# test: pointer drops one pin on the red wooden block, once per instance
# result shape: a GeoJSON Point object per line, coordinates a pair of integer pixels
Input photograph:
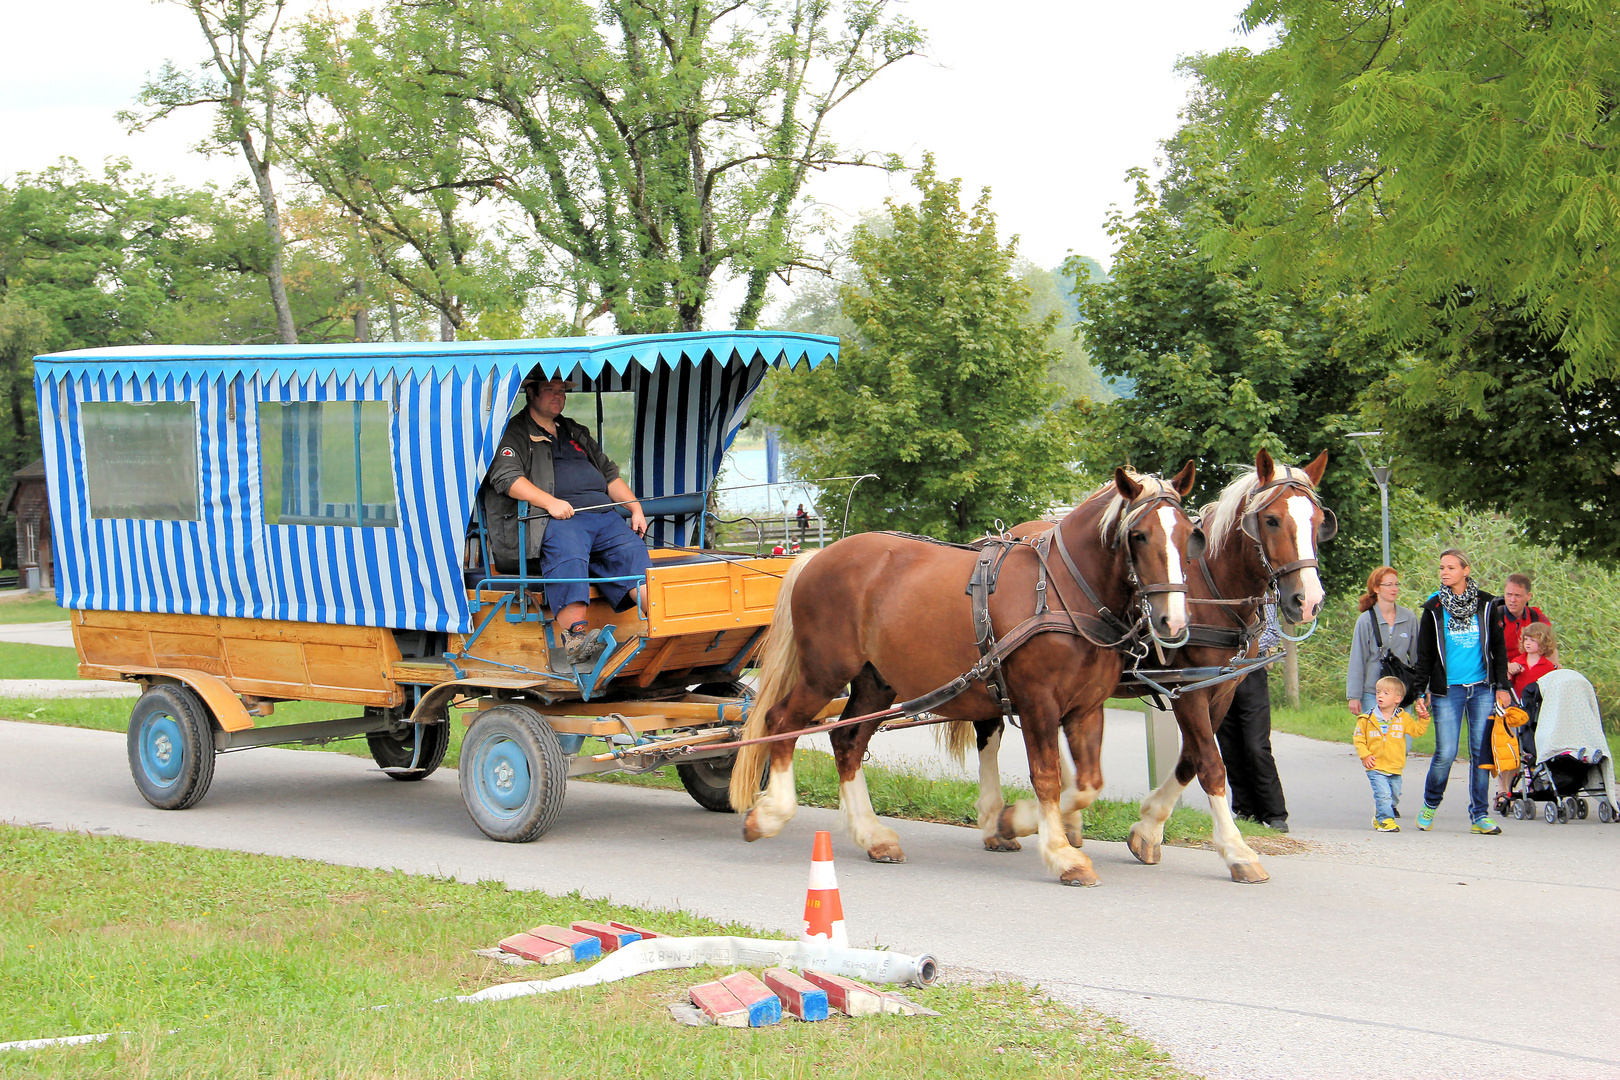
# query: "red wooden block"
{"type": "Point", "coordinates": [800, 997]}
{"type": "Point", "coordinates": [719, 1004]}
{"type": "Point", "coordinates": [846, 995]}
{"type": "Point", "coordinates": [612, 938]}
{"type": "Point", "coordinates": [763, 1006]}
{"type": "Point", "coordinates": [584, 946]}
{"type": "Point", "coordinates": [537, 948]}
{"type": "Point", "coordinates": [646, 935]}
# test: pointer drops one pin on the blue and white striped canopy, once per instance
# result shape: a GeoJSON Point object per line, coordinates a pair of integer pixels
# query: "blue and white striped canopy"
{"type": "Point", "coordinates": [449, 403]}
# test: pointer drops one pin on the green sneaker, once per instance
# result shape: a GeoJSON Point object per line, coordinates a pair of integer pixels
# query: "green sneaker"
{"type": "Point", "coordinates": [1425, 818]}
{"type": "Point", "coordinates": [1486, 827]}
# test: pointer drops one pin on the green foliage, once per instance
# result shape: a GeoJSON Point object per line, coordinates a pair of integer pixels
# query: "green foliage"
{"type": "Point", "coordinates": [1438, 151]}
{"type": "Point", "coordinates": [1050, 294]}
{"type": "Point", "coordinates": [943, 392]}
{"type": "Point", "coordinates": [1544, 451]}
{"type": "Point", "coordinates": [1221, 367]}
{"type": "Point", "coordinates": [644, 147]}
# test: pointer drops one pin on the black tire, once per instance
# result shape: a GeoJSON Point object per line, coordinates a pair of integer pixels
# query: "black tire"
{"type": "Point", "coordinates": [709, 782]}
{"type": "Point", "coordinates": [391, 752]}
{"type": "Point", "coordinates": [720, 689]}
{"type": "Point", "coordinates": [513, 774]}
{"type": "Point", "coordinates": [171, 747]}
{"type": "Point", "coordinates": [1581, 809]}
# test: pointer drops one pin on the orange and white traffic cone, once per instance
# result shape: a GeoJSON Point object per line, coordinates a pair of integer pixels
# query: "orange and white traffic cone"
{"type": "Point", "coordinates": [823, 910]}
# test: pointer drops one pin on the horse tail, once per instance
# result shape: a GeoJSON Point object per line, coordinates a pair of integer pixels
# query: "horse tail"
{"type": "Point", "coordinates": [956, 737]}
{"type": "Point", "coordinates": [778, 672]}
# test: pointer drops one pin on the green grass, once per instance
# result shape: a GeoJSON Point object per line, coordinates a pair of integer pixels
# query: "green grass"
{"type": "Point", "coordinates": [31, 610]}
{"type": "Point", "coordinates": [234, 965]}
{"type": "Point", "coordinates": [37, 662]}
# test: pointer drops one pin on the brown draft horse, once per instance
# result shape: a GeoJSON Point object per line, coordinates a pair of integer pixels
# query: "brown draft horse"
{"type": "Point", "coordinates": [889, 616]}
{"type": "Point", "coordinates": [1275, 551]}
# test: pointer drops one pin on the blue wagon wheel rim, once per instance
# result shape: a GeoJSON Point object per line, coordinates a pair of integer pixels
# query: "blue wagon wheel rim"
{"type": "Point", "coordinates": [163, 750]}
{"type": "Point", "coordinates": [502, 773]}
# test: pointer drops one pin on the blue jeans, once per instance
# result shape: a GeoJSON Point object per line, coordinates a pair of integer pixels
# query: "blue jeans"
{"type": "Point", "coordinates": [1474, 701]}
{"type": "Point", "coordinates": [594, 545]}
{"type": "Point", "coordinates": [1386, 789]}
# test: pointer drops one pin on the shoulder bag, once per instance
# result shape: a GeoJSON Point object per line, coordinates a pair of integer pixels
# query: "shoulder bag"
{"type": "Point", "coordinates": [1389, 663]}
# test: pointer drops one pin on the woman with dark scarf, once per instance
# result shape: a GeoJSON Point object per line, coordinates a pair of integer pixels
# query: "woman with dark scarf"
{"type": "Point", "coordinates": [1462, 665]}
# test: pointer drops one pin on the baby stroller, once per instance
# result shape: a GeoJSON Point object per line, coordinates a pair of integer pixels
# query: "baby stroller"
{"type": "Point", "coordinates": [1566, 757]}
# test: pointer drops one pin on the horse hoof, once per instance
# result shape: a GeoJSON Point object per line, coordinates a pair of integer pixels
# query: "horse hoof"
{"type": "Point", "coordinates": [1146, 852]}
{"type": "Point", "coordinates": [1080, 875]}
{"type": "Point", "coordinates": [886, 853]}
{"type": "Point", "coordinates": [1002, 843]}
{"type": "Point", "coordinates": [1249, 873]}
{"type": "Point", "coordinates": [750, 831]}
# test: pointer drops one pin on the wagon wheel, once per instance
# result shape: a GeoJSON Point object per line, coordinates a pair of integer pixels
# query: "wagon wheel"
{"type": "Point", "coordinates": [393, 751]}
{"type": "Point", "coordinates": [709, 782]}
{"type": "Point", "coordinates": [513, 774]}
{"type": "Point", "coordinates": [171, 747]}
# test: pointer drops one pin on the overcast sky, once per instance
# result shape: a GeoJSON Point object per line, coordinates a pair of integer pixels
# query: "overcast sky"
{"type": "Point", "coordinates": [1048, 102]}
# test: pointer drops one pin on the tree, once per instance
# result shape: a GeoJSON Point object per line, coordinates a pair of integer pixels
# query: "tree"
{"type": "Point", "coordinates": [240, 79]}
{"type": "Point", "coordinates": [943, 390]}
{"type": "Point", "coordinates": [1222, 367]}
{"type": "Point", "coordinates": [1548, 455]}
{"type": "Point", "coordinates": [1461, 159]}
{"type": "Point", "coordinates": [649, 147]}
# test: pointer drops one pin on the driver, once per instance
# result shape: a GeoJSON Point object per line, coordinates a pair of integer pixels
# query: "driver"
{"type": "Point", "coordinates": [553, 464]}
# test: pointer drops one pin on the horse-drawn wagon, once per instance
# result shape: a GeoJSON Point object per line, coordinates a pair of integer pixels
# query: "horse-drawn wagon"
{"type": "Point", "coordinates": [242, 526]}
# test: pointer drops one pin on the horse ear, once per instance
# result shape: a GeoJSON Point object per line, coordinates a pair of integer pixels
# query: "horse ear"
{"type": "Point", "coordinates": [1264, 468]}
{"type": "Point", "coordinates": [1316, 468]}
{"type": "Point", "coordinates": [1127, 487]}
{"type": "Point", "coordinates": [1183, 480]}
{"type": "Point", "coordinates": [1196, 544]}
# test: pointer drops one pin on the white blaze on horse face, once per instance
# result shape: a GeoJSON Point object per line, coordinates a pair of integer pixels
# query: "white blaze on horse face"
{"type": "Point", "coordinates": [1301, 509]}
{"type": "Point", "coordinates": [1178, 576]}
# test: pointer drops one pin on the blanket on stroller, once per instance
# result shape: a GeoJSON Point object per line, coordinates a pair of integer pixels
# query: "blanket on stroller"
{"type": "Point", "coordinates": [1571, 724]}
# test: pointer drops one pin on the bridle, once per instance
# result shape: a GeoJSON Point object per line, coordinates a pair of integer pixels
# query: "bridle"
{"type": "Point", "coordinates": [1250, 524]}
{"type": "Point", "coordinates": [1134, 511]}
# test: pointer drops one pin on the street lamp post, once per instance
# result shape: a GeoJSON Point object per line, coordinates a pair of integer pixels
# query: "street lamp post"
{"type": "Point", "coordinates": [1380, 475]}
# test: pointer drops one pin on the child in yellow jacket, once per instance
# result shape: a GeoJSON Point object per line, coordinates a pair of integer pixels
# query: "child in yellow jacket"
{"type": "Point", "coordinates": [1381, 745]}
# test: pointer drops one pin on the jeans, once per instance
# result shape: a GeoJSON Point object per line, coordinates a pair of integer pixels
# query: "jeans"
{"type": "Point", "coordinates": [1475, 701]}
{"type": "Point", "coordinates": [593, 544]}
{"type": "Point", "coordinates": [1386, 788]}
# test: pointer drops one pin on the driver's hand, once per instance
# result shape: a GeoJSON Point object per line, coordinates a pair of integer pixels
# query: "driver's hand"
{"type": "Point", "coordinates": [560, 509]}
{"type": "Point", "coordinates": [638, 521]}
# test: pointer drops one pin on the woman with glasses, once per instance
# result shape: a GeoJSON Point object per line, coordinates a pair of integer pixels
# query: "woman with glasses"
{"type": "Point", "coordinates": [1395, 626]}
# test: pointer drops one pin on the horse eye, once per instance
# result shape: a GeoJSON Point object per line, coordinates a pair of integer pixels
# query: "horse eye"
{"type": "Point", "coordinates": [1273, 521]}
{"type": "Point", "coordinates": [1137, 538]}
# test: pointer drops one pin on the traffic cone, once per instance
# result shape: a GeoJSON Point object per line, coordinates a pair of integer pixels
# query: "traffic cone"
{"type": "Point", "coordinates": [823, 910]}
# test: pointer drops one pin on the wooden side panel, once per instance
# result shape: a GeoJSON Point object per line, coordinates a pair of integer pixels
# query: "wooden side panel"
{"type": "Point", "coordinates": [707, 597]}
{"type": "Point", "coordinates": [262, 657]}
{"type": "Point", "coordinates": [689, 651]}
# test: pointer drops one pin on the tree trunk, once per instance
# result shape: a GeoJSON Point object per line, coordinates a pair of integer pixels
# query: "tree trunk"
{"type": "Point", "coordinates": [286, 330]}
{"type": "Point", "coordinates": [362, 313]}
{"type": "Point", "coordinates": [1291, 671]}
{"type": "Point", "coordinates": [447, 328]}
{"type": "Point", "coordinates": [395, 331]}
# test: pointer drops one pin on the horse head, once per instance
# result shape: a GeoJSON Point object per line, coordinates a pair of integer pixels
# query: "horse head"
{"type": "Point", "coordinates": [1157, 541]}
{"type": "Point", "coordinates": [1284, 517]}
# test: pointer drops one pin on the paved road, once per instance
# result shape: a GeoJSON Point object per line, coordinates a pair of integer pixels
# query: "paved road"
{"type": "Point", "coordinates": [58, 634]}
{"type": "Point", "coordinates": [1371, 956]}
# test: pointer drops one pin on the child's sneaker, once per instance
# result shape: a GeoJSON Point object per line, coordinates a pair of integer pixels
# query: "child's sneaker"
{"type": "Point", "coordinates": [1387, 825]}
{"type": "Point", "coordinates": [1425, 818]}
{"type": "Point", "coordinates": [1486, 827]}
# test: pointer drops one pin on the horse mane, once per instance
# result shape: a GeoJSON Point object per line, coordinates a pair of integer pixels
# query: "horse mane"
{"type": "Point", "coordinates": [1221, 518]}
{"type": "Point", "coordinates": [1111, 527]}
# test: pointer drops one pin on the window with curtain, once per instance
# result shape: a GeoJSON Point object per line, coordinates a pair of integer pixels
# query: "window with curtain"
{"type": "Point", "coordinates": [327, 463]}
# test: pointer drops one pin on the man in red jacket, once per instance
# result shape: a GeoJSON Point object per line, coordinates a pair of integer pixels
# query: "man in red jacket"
{"type": "Point", "coordinates": [1519, 614]}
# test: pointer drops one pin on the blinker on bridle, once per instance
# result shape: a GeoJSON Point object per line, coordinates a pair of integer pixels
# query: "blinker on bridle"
{"type": "Point", "coordinates": [1128, 517]}
{"type": "Point", "coordinates": [1250, 524]}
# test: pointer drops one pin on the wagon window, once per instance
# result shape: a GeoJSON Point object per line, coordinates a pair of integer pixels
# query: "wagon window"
{"type": "Point", "coordinates": [327, 463]}
{"type": "Point", "coordinates": [616, 431]}
{"type": "Point", "coordinates": [141, 459]}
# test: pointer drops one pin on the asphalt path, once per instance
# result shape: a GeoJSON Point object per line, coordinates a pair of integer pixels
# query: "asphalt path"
{"type": "Point", "coordinates": [1409, 955]}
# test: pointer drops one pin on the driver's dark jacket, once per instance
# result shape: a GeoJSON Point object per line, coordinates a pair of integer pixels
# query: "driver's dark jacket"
{"type": "Point", "coordinates": [525, 450]}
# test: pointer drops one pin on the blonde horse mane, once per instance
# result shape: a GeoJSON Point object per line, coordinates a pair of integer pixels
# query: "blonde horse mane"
{"type": "Point", "coordinates": [1113, 524]}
